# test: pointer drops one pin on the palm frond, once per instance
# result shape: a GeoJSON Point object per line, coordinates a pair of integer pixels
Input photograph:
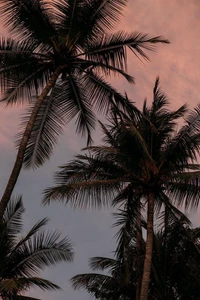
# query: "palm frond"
{"type": "Point", "coordinates": [127, 219]}
{"type": "Point", "coordinates": [22, 258]}
{"type": "Point", "coordinates": [22, 69]}
{"type": "Point", "coordinates": [21, 89]}
{"type": "Point", "coordinates": [86, 64]}
{"type": "Point", "coordinates": [102, 263]}
{"type": "Point", "coordinates": [175, 214]}
{"type": "Point", "coordinates": [185, 193]}
{"type": "Point", "coordinates": [102, 95]}
{"type": "Point", "coordinates": [186, 142]}
{"type": "Point", "coordinates": [20, 17]}
{"type": "Point", "coordinates": [94, 193]}
{"type": "Point", "coordinates": [91, 281]}
{"type": "Point", "coordinates": [46, 130]}
{"type": "Point", "coordinates": [40, 251]}
{"type": "Point", "coordinates": [81, 107]}
{"type": "Point", "coordinates": [67, 16]}
{"type": "Point", "coordinates": [112, 49]}
{"type": "Point", "coordinates": [14, 285]}
{"type": "Point", "coordinates": [12, 218]}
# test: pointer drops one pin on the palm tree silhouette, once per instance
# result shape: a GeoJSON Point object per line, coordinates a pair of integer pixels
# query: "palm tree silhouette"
{"type": "Point", "coordinates": [22, 258]}
{"type": "Point", "coordinates": [144, 157]}
{"type": "Point", "coordinates": [61, 50]}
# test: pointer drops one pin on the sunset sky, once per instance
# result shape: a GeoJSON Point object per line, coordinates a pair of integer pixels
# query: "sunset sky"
{"type": "Point", "coordinates": [178, 67]}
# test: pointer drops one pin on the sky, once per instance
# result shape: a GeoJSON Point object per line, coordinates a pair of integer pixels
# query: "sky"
{"type": "Point", "coordinates": [178, 67]}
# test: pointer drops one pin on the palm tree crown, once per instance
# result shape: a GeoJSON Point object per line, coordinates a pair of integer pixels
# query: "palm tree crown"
{"type": "Point", "coordinates": [144, 157]}
{"type": "Point", "coordinates": [22, 258]}
{"type": "Point", "coordinates": [144, 151]}
{"type": "Point", "coordinates": [69, 38]}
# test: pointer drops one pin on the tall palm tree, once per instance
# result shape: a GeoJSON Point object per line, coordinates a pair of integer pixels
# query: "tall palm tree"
{"type": "Point", "coordinates": [61, 50]}
{"type": "Point", "coordinates": [22, 258]}
{"type": "Point", "coordinates": [144, 155]}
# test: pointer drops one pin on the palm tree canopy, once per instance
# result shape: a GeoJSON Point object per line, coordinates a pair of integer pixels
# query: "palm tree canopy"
{"type": "Point", "coordinates": [175, 272]}
{"type": "Point", "coordinates": [74, 39]}
{"type": "Point", "coordinates": [23, 258]}
{"type": "Point", "coordinates": [142, 152]}
{"type": "Point", "coordinates": [175, 261]}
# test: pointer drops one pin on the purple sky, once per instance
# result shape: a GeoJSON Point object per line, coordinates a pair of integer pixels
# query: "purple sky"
{"type": "Point", "coordinates": [179, 69]}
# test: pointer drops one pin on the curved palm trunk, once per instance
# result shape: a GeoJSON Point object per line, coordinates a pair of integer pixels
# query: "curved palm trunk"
{"type": "Point", "coordinates": [22, 148]}
{"type": "Point", "coordinates": [149, 249]}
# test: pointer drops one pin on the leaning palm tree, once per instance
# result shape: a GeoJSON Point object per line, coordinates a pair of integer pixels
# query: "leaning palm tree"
{"type": "Point", "coordinates": [144, 155]}
{"type": "Point", "coordinates": [22, 258]}
{"type": "Point", "coordinates": [60, 50]}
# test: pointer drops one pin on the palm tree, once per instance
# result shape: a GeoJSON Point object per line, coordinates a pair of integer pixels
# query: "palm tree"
{"type": "Point", "coordinates": [176, 261]}
{"type": "Point", "coordinates": [59, 50]}
{"type": "Point", "coordinates": [22, 258]}
{"type": "Point", "coordinates": [175, 265]}
{"type": "Point", "coordinates": [143, 155]}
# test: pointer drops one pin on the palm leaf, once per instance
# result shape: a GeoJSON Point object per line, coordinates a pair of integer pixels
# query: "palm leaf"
{"type": "Point", "coordinates": [22, 69]}
{"type": "Point", "coordinates": [42, 250]}
{"type": "Point", "coordinates": [47, 128]}
{"type": "Point", "coordinates": [102, 95]}
{"type": "Point", "coordinates": [112, 49]}
{"type": "Point", "coordinates": [95, 193]}
{"type": "Point", "coordinates": [81, 107]}
{"type": "Point", "coordinates": [20, 17]}
{"type": "Point", "coordinates": [186, 142]}
{"type": "Point", "coordinates": [13, 216]}
{"type": "Point", "coordinates": [14, 285]}
{"type": "Point", "coordinates": [86, 64]}
{"type": "Point", "coordinates": [90, 281]}
{"type": "Point", "coordinates": [21, 89]}
{"type": "Point", "coordinates": [102, 263]}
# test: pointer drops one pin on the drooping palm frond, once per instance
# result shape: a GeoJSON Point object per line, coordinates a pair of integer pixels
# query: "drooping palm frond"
{"type": "Point", "coordinates": [128, 219]}
{"type": "Point", "coordinates": [17, 284]}
{"type": "Point", "coordinates": [47, 128]}
{"type": "Point", "coordinates": [91, 194]}
{"type": "Point", "coordinates": [102, 263]}
{"type": "Point", "coordinates": [101, 93]}
{"type": "Point", "coordinates": [22, 70]}
{"type": "Point", "coordinates": [13, 216]}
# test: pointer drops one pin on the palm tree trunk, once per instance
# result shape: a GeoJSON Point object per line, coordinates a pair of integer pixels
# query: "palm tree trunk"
{"type": "Point", "coordinates": [138, 249]}
{"type": "Point", "coordinates": [22, 148]}
{"type": "Point", "coordinates": [149, 249]}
